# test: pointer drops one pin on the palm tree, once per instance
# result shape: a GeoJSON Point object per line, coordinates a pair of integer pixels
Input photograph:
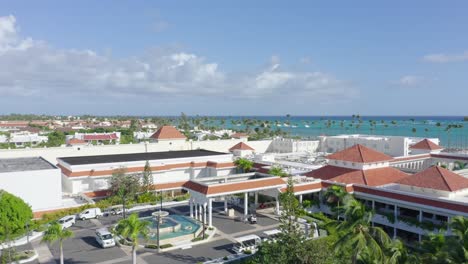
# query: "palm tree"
{"type": "Point", "coordinates": [244, 164]}
{"type": "Point", "coordinates": [54, 233]}
{"type": "Point", "coordinates": [459, 227]}
{"type": "Point", "coordinates": [365, 241]}
{"type": "Point", "coordinates": [335, 194]}
{"type": "Point", "coordinates": [131, 229]}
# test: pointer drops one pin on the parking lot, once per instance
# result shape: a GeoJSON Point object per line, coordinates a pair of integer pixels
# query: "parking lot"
{"type": "Point", "coordinates": [83, 248]}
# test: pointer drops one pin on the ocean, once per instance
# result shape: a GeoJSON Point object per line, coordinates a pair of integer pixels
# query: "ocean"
{"type": "Point", "coordinates": [451, 130]}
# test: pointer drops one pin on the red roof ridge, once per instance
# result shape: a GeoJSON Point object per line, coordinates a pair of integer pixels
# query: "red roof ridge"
{"type": "Point", "coordinates": [241, 146]}
{"type": "Point", "coordinates": [426, 144]}
{"type": "Point", "coordinates": [359, 153]}
{"type": "Point", "coordinates": [436, 178]}
{"type": "Point", "coordinates": [168, 132]}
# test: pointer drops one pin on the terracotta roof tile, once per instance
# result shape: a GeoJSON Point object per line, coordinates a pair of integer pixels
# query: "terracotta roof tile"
{"type": "Point", "coordinates": [168, 132]}
{"type": "Point", "coordinates": [426, 144]}
{"type": "Point", "coordinates": [242, 146]}
{"type": "Point", "coordinates": [370, 177]}
{"type": "Point", "coordinates": [359, 153]}
{"type": "Point", "coordinates": [436, 178]}
{"type": "Point", "coordinates": [76, 141]}
{"type": "Point", "coordinates": [234, 186]}
{"type": "Point", "coordinates": [239, 135]}
{"type": "Point", "coordinates": [100, 136]}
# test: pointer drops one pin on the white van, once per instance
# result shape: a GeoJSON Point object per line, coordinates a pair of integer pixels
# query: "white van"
{"type": "Point", "coordinates": [105, 238]}
{"type": "Point", "coordinates": [250, 242]}
{"type": "Point", "coordinates": [90, 213]}
{"type": "Point", "coordinates": [67, 221]}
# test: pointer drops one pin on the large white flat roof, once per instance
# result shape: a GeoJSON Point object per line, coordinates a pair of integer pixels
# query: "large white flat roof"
{"type": "Point", "coordinates": [24, 164]}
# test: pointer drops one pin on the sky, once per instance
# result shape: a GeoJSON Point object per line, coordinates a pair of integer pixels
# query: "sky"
{"type": "Point", "coordinates": [234, 57]}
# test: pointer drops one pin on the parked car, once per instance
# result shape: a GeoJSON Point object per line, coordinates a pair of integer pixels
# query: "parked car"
{"type": "Point", "coordinates": [67, 221]}
{"type": "Point", "coordinates": [105, 238]}
{"type": "Point", "coordinates": [249, 242]}
{"type": "Point", "coordinates": [90, 213]}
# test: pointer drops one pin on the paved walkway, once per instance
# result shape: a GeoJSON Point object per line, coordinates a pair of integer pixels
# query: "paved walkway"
{"type": "Point", "coordinates": [43, 252]}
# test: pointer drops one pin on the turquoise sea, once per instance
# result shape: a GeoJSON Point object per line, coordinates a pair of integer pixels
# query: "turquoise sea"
{"type": "Point", "coordinates": [451, 130]}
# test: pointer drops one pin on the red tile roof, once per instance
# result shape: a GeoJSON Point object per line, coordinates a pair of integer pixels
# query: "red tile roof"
{"type": "Point", "coordinates": [76, 141]}
{"type": "Point", "coordinates": [359, 153]}
{"type": "Point", "coordinates": [168, 132]}
{"type": "Point", "coordinates": [239, 135]}
{"type": "Point", "coordinates": [436, 178]}
{"type": "Point", "coordinates": [242, 146]}
{"type": "Point", "coordinates": [370, 177]}
{"type": "Point", "coordinates": [426, 144]}
{"type": "Point", "coordinates": [234, 186]}
{"type": "Point", "coordinates": [100, 137]}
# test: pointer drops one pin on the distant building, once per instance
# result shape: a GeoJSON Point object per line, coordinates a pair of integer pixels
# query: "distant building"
{"type": "Point", "coordinates": [239, 135]}
{"type": "Point", "coordinates": [288, 145]}
{"type": "Point", "coordinates": [167, 133]}
{"type": "Point", "coordinates": [141, 135]}
{"type": "Point", "coordinates": [23, 139]}
{"type": "Point", "coordinates": [96, 138]}
{"type": "Point", "coordinates": [391, 145]}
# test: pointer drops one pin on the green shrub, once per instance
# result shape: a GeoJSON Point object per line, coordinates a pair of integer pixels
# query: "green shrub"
{"type": "Point", "coordinates": [147, 197]}
{"type": "Point", "coordinates": [225, 258]}
{"type": "Point", "coordinates": [248, 252]}
{"type": "Point", "coordinates": [197, 239]}
{"type": "Point", "coordinates": [166, 246]}
{"type": "Point", "coordinates": [151, 246]}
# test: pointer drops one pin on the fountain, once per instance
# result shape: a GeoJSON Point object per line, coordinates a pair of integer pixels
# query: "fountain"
{"type": "Point", "coordinates": [172, 228]}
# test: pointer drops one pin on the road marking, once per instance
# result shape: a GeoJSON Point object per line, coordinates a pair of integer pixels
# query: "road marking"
{"type": "Point", "coordinates": [186, 247]}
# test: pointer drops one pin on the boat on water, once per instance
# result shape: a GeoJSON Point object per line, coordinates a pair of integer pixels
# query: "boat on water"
{"type": "Point", "coordinates": [293, 126]}
{"type": "Point", "coordinates": [306, 126]}
{"type": "Point", "coordinates": [286, 125]}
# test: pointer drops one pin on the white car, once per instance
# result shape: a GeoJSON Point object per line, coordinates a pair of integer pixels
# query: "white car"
{"type": "Point", "coordinates": [105, 238]}
{"type": "Point", "coordinates": [90, 213]}
{"type": "Point", "coordinates": [67, 221]}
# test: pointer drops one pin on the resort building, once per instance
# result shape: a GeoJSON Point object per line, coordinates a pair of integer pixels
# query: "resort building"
{"type": "Point", "coordinates": [288, 145]}
{"type": "Point", "coordinates": [391, 145]}
{"type": "Point", "coordinates": [241, 149]}
{"type": "Point", "coordinates": [171, 169]}
{"type": "Point", "coordinates": [23, 139]}
{"type": "Point", "coordinates": [96, 138]}
{"type": "Point", "coordinates": [36, 181]}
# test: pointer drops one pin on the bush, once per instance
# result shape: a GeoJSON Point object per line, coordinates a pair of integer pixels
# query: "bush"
{"type": "Point", "coordinates": [166, 246]}
{"type": "Point", "coordinates": [248, 252]}
{"type": "Point", "coordinates": [197, 239]}
{"type": "Point", "coordinates": [151, 246]}
{"type": "Point", "coordinates": [182, 197]}
{"type": "Point", "coordinates": [225, 258]}
{"type": "Point", "coordinates": [147, 197]}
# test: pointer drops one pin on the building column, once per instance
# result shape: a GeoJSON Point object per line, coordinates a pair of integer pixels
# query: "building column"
{"type": "Point", "coordinates": [196, 211]}
{"type": "Point", "coordinates": [256, 201]}
{"type": "Point", "coordinates": [300, 199]}
{"type": "Point", "coordinates": [246, 204]}
{"type": "Point", "coordinates": [225, 205]}
{"type": "Point", "coordinates": [395, 214]}
{"type": "Point", "coordinates": [420, 217]}
{"type": "Point", "coordinates": [210, 212]}
{"type": "Point", "coordinates": [277, 205]}
{"type": "Point", "coordinates": [191, 207]}
{"type": "Point", "coordinates": [449, 229]}
{"type": "Point", "coordinates": [204, 213]}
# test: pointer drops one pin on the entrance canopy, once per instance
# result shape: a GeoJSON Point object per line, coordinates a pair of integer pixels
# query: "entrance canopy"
{"type": "Point", "coordinates": [233, 184]}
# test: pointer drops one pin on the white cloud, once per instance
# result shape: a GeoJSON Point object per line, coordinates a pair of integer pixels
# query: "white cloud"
{"type": "Point", "coordinates": [444, 58]}
{"type": "Point", "coordinates": [410, 80]}
{"type": "Point", "coordinates": [35, 68]}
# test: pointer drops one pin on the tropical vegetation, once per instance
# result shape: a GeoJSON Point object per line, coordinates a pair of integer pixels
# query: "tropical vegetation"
{"type": "Point", "coordinates": [55, 233]}
{"type": "Point", "coordinates": [132, 229]}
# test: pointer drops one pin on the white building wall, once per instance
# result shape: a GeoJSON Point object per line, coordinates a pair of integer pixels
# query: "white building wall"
{"type": "Point", "coordinates": [41, 188]}
{"type": "Point", "coordinates": [51, 154]}
{"type": "Point", "coordinates": [391, 145]}
{"type": "Point", "coordinates": [287, 145]}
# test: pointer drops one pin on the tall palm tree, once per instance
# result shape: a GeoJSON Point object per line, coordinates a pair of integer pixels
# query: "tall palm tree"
{"type": "Point", "coordinates": [132, 228]}
{"type": "Point", "coordinates": [459, 227]}
{"type": "Point", "coordinates": [335, 194]}
{"type": "Point", "coordinates": [358, 235]}
{"type": "Point", "coordinates": [54, 233]}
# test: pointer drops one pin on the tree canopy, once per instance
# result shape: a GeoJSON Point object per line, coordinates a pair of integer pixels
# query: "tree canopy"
{"type": "Point", "coordinates": [14, 216]}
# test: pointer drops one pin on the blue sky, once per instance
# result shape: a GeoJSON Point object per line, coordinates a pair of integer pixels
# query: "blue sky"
{"type": "Point", "coordinates": [239, 58]}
